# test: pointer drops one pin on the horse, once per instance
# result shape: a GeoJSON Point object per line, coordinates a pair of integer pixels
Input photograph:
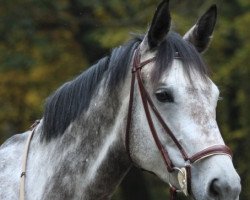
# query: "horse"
{"type": "Point", "coordinates": [150, 103]}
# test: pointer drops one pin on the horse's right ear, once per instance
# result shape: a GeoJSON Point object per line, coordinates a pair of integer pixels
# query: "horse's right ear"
{"type": "Point", "coordinates": [160, 25]}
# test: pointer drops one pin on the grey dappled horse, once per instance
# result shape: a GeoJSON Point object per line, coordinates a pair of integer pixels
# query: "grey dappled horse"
{"type": "Point", "coordinates": [78, 150]}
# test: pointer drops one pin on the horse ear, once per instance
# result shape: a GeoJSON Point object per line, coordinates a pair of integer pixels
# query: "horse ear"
{"type": "Point", "coordinates": [201, 33]}
{"type": "Point", "coordinates": [160, 25]}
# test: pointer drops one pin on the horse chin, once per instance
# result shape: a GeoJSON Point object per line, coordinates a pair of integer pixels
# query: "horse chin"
{"type": "Point", "coordinates": [205, 197]}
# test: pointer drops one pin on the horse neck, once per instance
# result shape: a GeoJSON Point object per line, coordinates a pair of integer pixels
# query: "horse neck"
{"type": "Point", "coordinates": [91, 152]}
{"type": "Point", "coordinates": [104, 139]}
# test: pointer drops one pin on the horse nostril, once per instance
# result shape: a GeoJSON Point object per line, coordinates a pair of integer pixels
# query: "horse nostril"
{"type": "Point", "coordinates": [223, 189]}
{"type": "Point", "coordinates": [214, 189]}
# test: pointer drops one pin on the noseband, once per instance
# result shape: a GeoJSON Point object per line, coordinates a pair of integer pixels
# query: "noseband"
{"type": "Point", "coordinates": [184, 172]}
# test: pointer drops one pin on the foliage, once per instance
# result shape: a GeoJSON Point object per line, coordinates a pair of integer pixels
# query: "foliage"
{"type": "Point", "coordinates": [45, 43]}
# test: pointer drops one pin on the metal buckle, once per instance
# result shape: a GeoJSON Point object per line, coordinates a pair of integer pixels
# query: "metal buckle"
{"type": "Point", "coordinates": [182, 179]}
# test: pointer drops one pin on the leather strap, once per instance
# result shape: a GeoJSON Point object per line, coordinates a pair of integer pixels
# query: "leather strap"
{"type": "Point", "coordinates": [136, 66]}
{"type": "Point", "coordinates": [129, 118]}
{"type": "Point", "coordinates": [210, 151]}
{"type": "Point", "coordinates": [159, 117]}
{"type": "Point", "coordinates": [173, 193]}
{"type": "Point", "coordinates": [24, 162]}
{"type": "Point", "coordinates": [189, 178]}
{"type": "Point", "coordinates": [163, 151]}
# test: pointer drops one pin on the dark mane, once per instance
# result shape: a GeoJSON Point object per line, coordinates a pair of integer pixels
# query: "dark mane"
{"type": "Point", "coordinates": [73, 98]}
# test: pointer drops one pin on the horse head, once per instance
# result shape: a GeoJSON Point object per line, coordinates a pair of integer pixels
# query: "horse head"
{"type": "Point", "coordinates": [173, 130]}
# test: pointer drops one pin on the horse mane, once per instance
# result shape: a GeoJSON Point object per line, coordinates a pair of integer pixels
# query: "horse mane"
{"type": "Point", "coordinates": [68, 102]}
{"type": "Point", "coordinates": [73, 98]}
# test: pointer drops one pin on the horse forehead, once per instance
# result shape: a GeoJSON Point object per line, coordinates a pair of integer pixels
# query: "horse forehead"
{"type": "Point", "coordinates": [194, 85]}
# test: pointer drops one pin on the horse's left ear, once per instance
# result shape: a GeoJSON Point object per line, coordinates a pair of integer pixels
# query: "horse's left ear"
{"type": "Point", "coordinates": [201, 33]}
{"type": "Point", "coordinates": [160, 25]}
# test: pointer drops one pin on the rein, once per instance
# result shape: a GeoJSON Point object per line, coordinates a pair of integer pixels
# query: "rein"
{"type": "Point", "coordinates": [184, 172]}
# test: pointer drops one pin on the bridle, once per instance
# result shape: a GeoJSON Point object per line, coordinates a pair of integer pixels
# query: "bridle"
{"type": "Point", "coordinates": [184, 172]}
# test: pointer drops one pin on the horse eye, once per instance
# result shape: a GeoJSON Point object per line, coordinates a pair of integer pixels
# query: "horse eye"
{"type": "Point", "coordinates": [164, 96]}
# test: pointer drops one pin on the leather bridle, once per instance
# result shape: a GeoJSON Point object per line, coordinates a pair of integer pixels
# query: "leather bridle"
{"type": "Point", "coordinates": [184, 172]}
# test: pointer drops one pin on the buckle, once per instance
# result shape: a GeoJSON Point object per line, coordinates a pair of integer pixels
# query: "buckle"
{"type": "Point", "coordinates": [182, 179]}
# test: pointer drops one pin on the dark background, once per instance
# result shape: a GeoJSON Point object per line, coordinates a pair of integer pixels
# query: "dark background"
{"type": "Point", "coordinates": [44, 43]}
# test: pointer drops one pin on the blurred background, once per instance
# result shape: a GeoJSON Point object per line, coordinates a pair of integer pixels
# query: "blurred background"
{"type": "Point", "coordinates": [44, 43]}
